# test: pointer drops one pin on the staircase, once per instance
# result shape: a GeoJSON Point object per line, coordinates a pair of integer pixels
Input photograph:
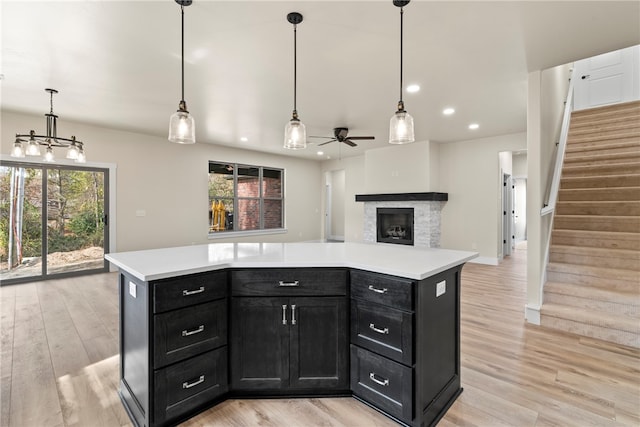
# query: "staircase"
{"type": "Point", "coordinates": [593, 276]}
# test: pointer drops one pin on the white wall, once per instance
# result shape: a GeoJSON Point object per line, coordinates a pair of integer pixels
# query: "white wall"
{"type": "Point", "coordinates": [520, 165]}
{"type": "Point", "coordinates": [470, 173]}
{"type": "Point", "coordinates": [169, 182]}
{"type": "Point", "coordinates": [398, 169]}
{"type": "Point", "coordinates": [546, 95]}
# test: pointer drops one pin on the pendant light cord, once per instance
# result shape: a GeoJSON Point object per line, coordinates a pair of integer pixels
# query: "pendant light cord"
{"type": "Point", "coordinates": [182, 10]}
{"type": "Point", "coordinates": [401, 32]}
{"type": "Point", "coordinates": [295, 68]}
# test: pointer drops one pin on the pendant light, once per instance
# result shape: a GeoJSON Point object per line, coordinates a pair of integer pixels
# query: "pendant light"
{"type": "Point", "coordinates": [182, 126]}
{"type": "Point", "coordinates": [75, 148]}
{"type": "Point", "coordinates": [401, 124]}
{"type": "Point", "coordinates": [295, 133]}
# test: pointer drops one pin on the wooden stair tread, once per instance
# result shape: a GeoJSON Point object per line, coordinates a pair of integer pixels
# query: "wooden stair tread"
{"type": "Point", "coordinates": [598, 235]}
{"type": "Point", "coordinates": [614, 110]}
{"type": "Point", "coordinates": [602, 140]}
{"type": "Point", "coordinates": [620, 124]}
{"type": "Point", "coordinates": [630, 276]}
{"type": "Point", "coordinates": [600, 170]}
{"type": "Point", "coordinates": [627, 156]}
{"type": "Point", "coordinates": [596, 292]}
{"type": "Point", "coordinates": [629, 254]}
{"type": "Point", "coordinates": [607, 320]}
{"type": "Point", "coordinates": [601, 181]}
{"type": "Point", "coordinates": [599, 207]}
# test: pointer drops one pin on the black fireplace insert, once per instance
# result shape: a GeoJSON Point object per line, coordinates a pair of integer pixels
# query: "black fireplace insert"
{"type": "Point", "coordinates": [395, 225]}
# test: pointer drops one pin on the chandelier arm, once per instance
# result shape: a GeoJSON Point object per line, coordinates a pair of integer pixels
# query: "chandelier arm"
{"type": "Point", "coordinates": [44, 140]}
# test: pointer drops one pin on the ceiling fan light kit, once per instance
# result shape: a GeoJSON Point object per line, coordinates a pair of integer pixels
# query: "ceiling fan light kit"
{"type": "Point", "coordinates": [75, 148]}
{"type": "Point", "coordinates": [295, 132]}
{"type": "Point", "coordinates": [401, 124]}
{"type": "Point", "coordinates": [182, 126]}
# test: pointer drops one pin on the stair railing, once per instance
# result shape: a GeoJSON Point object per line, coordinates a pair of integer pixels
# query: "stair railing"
{"type": "Point", "coordinates": [552, 190]}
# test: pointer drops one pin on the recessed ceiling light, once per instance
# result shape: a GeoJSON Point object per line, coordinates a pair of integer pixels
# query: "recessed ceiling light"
{"type": "Point", "coordinates": [413, 88]}
{"type": "Point", "coordinates": [474, 126]}
{"type": "Point", "coordinates": [244, 139]}
{"type": "Point", "coordinates": [320, 153]}
{"type": "Point", "coordinates": [448, 111]}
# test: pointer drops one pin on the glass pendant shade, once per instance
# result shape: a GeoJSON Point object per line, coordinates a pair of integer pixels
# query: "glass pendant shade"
{"type": "Point", "coordinates": [17, 150]}
{"type": "Point", "coordinates": [72, 152]}
{"type": "Point", "coordinates": [182, 128]}
{"type": "Point", "coordinates": [295, 135]}
{"type": "Point", "coordinates": [48, 155]}
{"type": "Point", "coordinates": [33, 149]}
{"type": "Point", "coordinates": [81, 156]}
{"type": "Point", "coordinates": [401, 128]}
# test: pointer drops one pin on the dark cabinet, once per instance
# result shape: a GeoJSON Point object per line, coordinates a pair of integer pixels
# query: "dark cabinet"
{"type": "Point", "coordinates": [289, 344]}
{"type": "Point", "coordinates": [173, 346]}
{"type": "Point", "coordinates": [405, 344]}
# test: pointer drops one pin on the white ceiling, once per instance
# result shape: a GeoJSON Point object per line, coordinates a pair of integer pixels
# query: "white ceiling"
{"type": "Point", "coordinates": [117, 64]}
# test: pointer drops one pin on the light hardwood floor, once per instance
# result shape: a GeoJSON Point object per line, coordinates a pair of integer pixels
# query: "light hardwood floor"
{"type": "Point", "coordinates": [59, 364]}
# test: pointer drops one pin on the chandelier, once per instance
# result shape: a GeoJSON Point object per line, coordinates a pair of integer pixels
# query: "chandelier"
{"type": "Point", "coordinates": [75, 148]}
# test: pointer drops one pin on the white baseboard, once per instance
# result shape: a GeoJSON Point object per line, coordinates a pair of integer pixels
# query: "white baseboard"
{"type": "Point", "coordinates": [532, 314]}
{"type": "Point", "coordinates": [484, 260]}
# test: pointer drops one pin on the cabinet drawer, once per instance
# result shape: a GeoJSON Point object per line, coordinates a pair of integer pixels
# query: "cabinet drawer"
{"type": "Point", "coordinates": [289, 282]}
{"type": "Point", "coordinates": [384, 383]}
{"type": "Point", "coordinates": [183, 333]}
{"type": "Point", "coordinates": [189, 385]}
{"type": "Point", "coordinates": [178, 292]}
{"type": "Point", "coordinates": [387, 290]}
{"type": "Point", "coordinates": [383, 329]}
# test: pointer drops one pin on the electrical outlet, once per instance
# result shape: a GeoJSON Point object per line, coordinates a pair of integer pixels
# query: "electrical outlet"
{"type": "Point", "coordinates": [441, 288]}
{"type": "Point", "coordinates": [132, 289]}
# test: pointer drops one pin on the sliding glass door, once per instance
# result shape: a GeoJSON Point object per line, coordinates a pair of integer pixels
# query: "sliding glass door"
{"type": "Point", "coordinates": [53, 220]}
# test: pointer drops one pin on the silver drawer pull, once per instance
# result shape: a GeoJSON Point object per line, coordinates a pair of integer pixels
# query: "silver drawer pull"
{"type": "Point", "coordinates": [186, 293]}
{"type": "Point", "coordinates": [186, 333]}
{"type": "Point", "coordinates": [187, 384]}
{"type": "Point", "coordinates": [378, 290]}
{"type": "Point", "coordinates": [293, 314]}
{"type": "Point", "coordinates": [289, 284]}
{"type": "Point", "coordinates": [284, 314]}
{"type": "Point", "coordinates": [373, 378]}
{"type": "Point", "coordinates": [384, 331]}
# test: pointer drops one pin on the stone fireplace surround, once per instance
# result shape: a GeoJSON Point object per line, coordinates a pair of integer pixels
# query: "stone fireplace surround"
{"type": "Point", "coordinates": [427, 208]}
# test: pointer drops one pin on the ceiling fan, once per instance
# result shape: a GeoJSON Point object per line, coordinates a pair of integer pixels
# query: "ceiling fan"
{"type": "Point", "coordinates": [341, 135]}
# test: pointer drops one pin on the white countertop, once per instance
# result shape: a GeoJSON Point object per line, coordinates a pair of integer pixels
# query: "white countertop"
{"type": "Point", "coordinates": [397, 260]}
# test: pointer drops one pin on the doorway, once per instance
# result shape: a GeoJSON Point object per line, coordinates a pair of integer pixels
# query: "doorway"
{"type": "Point", "coordinates": [508, 226]}
{"type": "Point", "coordinates": [53, 220]}
{"type": "Point", "coordinates": [334, 206]}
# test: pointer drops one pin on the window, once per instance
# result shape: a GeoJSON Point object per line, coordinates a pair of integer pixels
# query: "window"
{"type": "Point", "coordinates": [244, 198]}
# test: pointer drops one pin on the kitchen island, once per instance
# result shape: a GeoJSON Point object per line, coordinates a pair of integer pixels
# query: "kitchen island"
{"type": "Point", "coordinates": [203, 323]}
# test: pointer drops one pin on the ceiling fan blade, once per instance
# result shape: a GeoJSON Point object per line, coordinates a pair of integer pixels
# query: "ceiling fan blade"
{"type": "Point", "coordinates": [350, 143]}
{"type": "Point", "coordinates": [362, 137]}
{"type": "Point", "coordinates": [325, 143]}
{"type": "Point", "coordinates": [325, 137]}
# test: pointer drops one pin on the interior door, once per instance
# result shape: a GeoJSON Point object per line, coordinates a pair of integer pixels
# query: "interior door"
{"type": "Point", "coordinates": [610, 78]}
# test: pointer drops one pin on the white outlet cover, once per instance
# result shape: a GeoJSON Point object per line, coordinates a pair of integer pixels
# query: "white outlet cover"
{"type": "Point", "coordinates": [132, 289]}
{"type": "Point", "coordinates": [441, 288]}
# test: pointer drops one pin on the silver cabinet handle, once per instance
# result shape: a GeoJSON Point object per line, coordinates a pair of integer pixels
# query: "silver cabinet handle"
{"type": "Point", "coordinates": [293, 314]}
{"type": "Point", "coordinates": [284, 314]}
{"type": "Point", "coordinates": [378, 290]}
{"type": "Point", "coordinates": [288, 284]}
{"type": "Point", "coordinates": [187, 384]}
{"type": "Point", "coordinates": [186, 333]}
{"type": "Point", "coordinates": [186, 293]}
{"type": "Point", "coordinates": [384, 331]}
{"type": "Point", "coordinates": [373, 378]}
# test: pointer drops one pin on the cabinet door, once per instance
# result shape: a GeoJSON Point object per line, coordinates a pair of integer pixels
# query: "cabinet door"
{"type": "Point", "coordinates": [319, 343]}
{"type": "Point", "coordinates": [259, 343]}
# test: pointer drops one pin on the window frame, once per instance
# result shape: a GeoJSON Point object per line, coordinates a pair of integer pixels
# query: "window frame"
{"type": "Point", "coordinates": [260, 198]}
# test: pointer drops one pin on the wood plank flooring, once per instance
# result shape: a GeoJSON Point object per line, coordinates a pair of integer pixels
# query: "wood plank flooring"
{"type": "Point", "coordinates": [59, 364]}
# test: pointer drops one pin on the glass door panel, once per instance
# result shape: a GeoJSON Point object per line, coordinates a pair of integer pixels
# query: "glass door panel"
{"type": "Point", "coordinates": [75, 220]}
{"type": "Point", "coordinates": [20, 222]}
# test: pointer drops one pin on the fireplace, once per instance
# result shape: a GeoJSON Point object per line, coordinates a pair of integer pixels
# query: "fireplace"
{"type": "Point", "coordinates": [395, 225]}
